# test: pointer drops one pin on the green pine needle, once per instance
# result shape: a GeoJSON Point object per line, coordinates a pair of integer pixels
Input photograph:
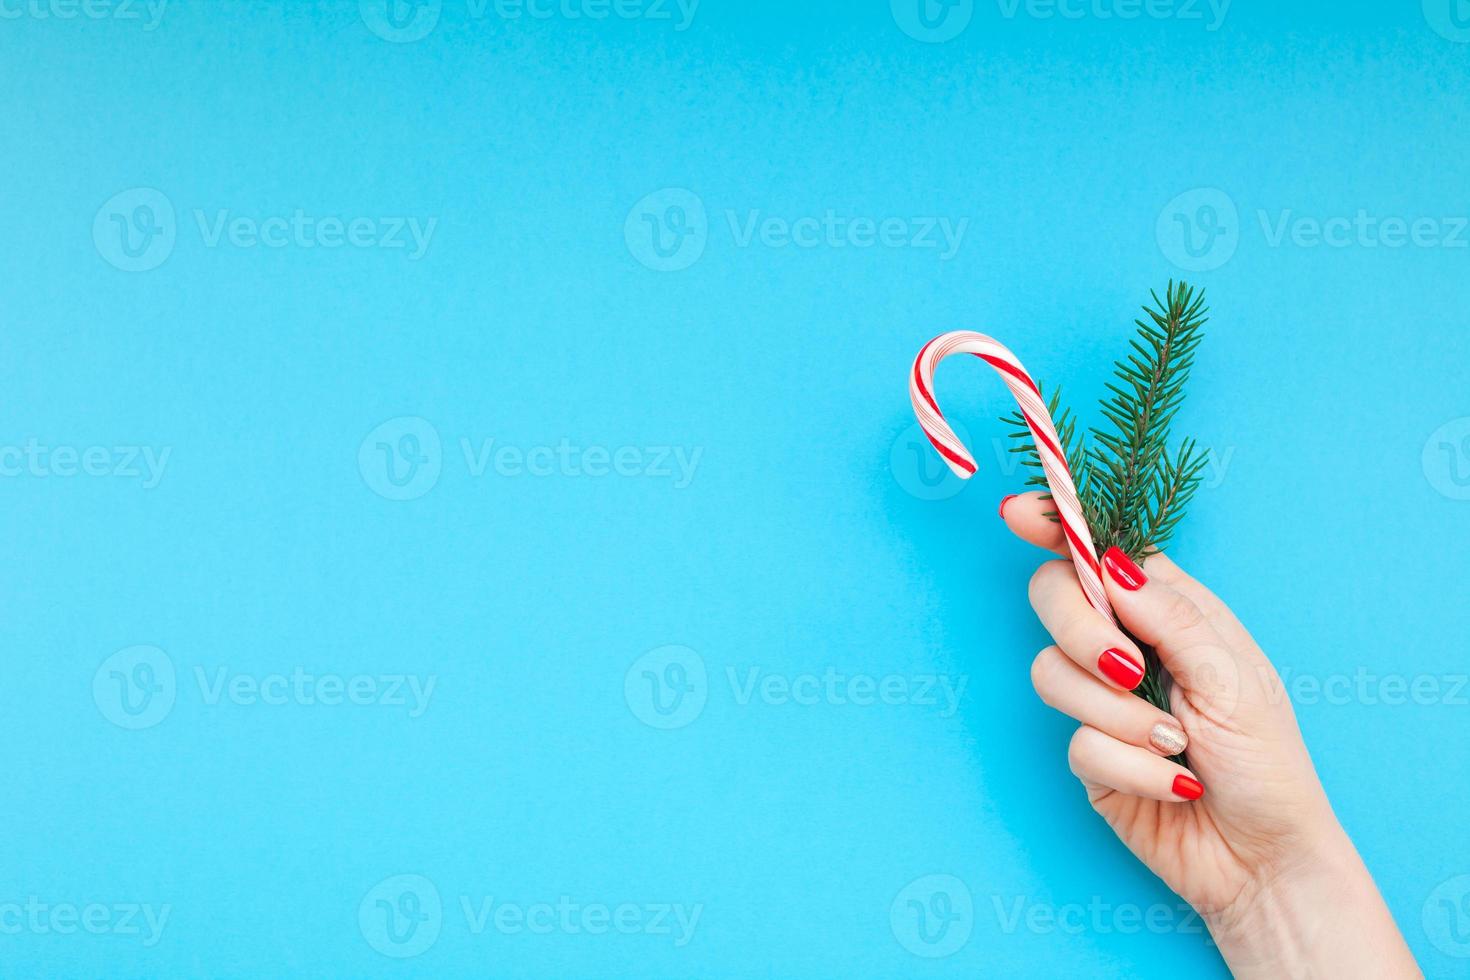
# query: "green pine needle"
{"type": "Point", "coordinates": [1133, 489]}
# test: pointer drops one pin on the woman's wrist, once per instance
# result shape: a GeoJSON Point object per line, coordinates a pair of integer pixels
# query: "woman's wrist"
{"type": "Point", "coordinates": [1320, 916]}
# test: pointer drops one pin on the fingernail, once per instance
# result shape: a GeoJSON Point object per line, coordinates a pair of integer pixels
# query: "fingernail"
{"type": "Point", "coordinates": [1121, 669]}
{"type": "Point", "coordinates": [1187, 789]}
{"type": "Point", "coordinates": [1123, 570]}
{"type": "Point", "coordinates": [1005, 500]}
{"type": "Point", "coordinates": [1167, 739]}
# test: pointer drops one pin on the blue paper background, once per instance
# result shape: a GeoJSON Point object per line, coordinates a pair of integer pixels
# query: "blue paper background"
{"type": "Point", "coordinates": [1332, 388]}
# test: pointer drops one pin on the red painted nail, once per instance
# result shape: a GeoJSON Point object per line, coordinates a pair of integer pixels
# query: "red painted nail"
{"type": "Point", "coordinates": [1005, 500]}
{"type": "Point", "coordinates": [1188, 789]}
{"type": "Point", "coordinates": [1121, 669]}
{"type": "Point", "coordinates": [1123, 570]}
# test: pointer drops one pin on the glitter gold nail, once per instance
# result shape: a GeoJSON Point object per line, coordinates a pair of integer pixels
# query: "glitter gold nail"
{"type": "Point", "coordinates": [1167, 739]}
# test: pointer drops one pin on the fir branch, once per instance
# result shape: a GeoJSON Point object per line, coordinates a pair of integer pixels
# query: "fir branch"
{"type": "Point", "coordinates": [1072, 444]}
{"type": "Point", "coordinates": [1131, 459]}
{"type": "Point", "coordinates": [1171, 489]}
{"type": "Point", "coordinates": [1133, 492]}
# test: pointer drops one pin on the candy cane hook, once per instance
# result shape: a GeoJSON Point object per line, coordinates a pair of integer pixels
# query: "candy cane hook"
{"type": "Point", "coordinates": [1038, 420]}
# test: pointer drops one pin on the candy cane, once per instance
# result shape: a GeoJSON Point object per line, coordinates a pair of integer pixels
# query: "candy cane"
{"type": "Point", "coordinates": [1038, 420]}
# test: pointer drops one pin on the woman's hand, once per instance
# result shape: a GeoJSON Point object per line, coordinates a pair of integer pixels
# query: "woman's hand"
{"type": "Point", "coordinates": [1246, 834]}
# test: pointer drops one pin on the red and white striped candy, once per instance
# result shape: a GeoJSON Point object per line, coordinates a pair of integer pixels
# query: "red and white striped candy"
{"type": "Point", "coordinates": [1033, 409]}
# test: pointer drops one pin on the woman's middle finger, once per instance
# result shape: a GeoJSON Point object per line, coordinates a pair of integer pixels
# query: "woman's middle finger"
{"type": "Point", "coordinates": [1083, 633]}
{"type": "Point", "coordinates": [1071, 690]}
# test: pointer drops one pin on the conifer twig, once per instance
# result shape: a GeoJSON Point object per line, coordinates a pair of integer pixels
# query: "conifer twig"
{"type": "Point", "coordinates": [1133, 491]}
